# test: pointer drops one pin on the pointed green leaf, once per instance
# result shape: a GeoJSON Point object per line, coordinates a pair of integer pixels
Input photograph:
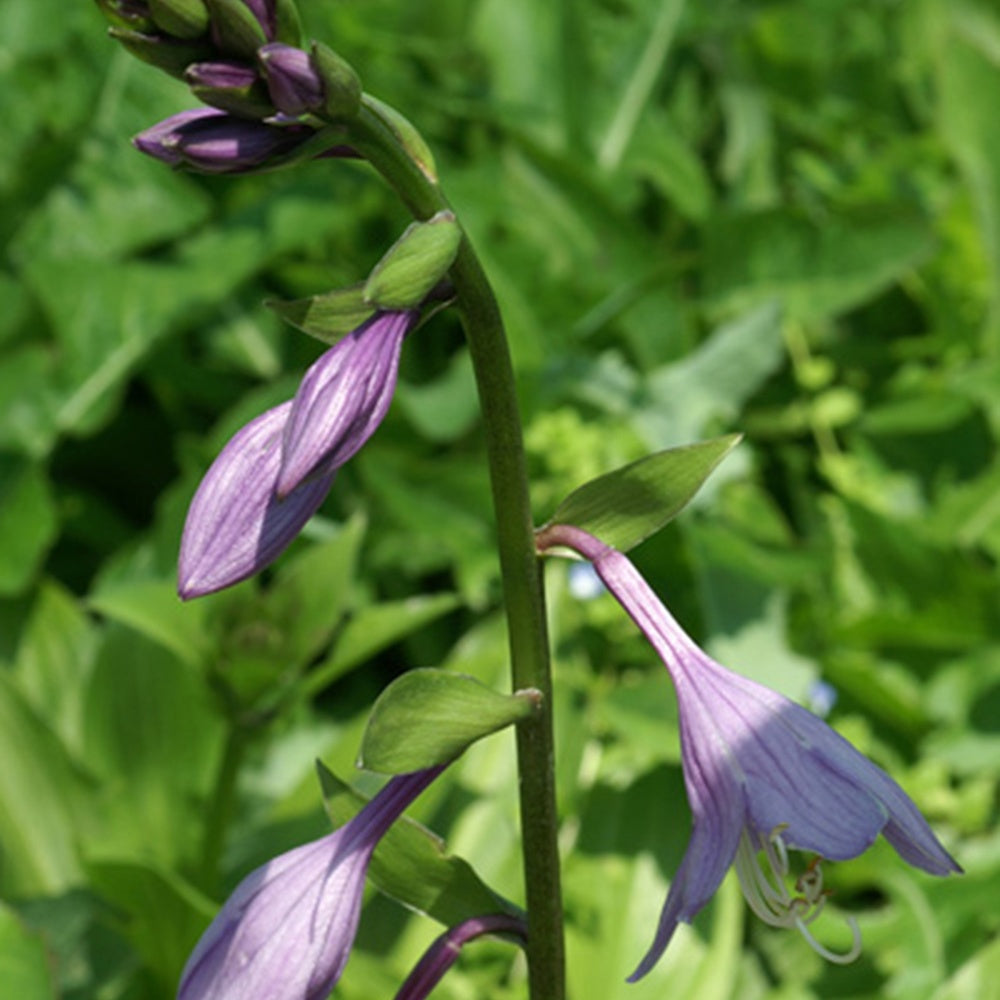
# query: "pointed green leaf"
{"type": "Point", "coordinates": [624, 507]}
{"type": "Point", "coordinates": [428, 717]}
{"type": "Point", "coordinates": [410, 864]}
{"type": "Point", "coordinates": [327, 316]}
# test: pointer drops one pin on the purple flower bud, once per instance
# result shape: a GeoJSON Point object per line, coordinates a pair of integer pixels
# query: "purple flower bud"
{"type": "Point", "coordinates": [763, 776]}
{"type": "Point", "coordinates": [444, 950]}
{"type": "Point", "coordinates": [213, 142]}
{"type": "Point", "coordinates": [230, 86]}
{"type": "Point", "coordinates": [265, 12]}
{"type": "Point", "coordinates": [236, 525]}
{"type": "Point", "coordinates": [292, 80]}
{"type": "Point", "coordinates": [275, 472]}
{"type": "Point", "coordinates": [288, 928]}
{"type": "Point", "coordinates": [221, 75]}
{"type": "Point", "coordinates": [342, 399]}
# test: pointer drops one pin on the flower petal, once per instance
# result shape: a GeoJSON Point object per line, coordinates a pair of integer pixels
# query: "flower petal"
{"type": "Point", "coordinates": [342, 399]}
{"type": "Point", "coordinates": [236, 525]}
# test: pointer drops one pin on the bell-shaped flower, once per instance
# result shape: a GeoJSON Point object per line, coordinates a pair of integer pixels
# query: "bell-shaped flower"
{"type": "Point", "coordinates": [275, 472]}
{"type": "Point", "coordinates": [444, 950]}
{"type": "Point", "coordinates": [763, 776]}
{"type": "Point", "coordinates": [288, 928]}
{"type": "Point", "coordinates": [342, 399]}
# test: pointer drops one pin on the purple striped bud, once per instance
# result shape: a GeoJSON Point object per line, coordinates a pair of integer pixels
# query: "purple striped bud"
{"type": "Point", "coordinates": [213, 142]}
{"type": "Point", "coordinates": [287, 930]}
{"type": "Point", "coordinates": [292, 80]}
{"type": "Point", "coordinates": [236, 524]}
{"type": "Point", "coordinates": [342, 399]}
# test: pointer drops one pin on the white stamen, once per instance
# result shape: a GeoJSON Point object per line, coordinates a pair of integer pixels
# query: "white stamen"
{"type": "Point", "coordinates": [768, 896]}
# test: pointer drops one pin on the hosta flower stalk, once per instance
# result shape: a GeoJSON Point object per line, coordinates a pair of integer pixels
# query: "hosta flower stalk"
{"type": "Point", "coordinates": [763, 776]}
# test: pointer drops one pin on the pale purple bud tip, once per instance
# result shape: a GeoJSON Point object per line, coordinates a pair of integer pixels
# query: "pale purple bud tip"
{"type": "Point", "coordinates": [342, 399]}
{"type": "Point", "coordinates": [292, 80]}
{"type": "Point", "coordinates": [236, 524]}
{"type": "Point", "coordinates": [214, 142]}
{"type": "Point", "coordinates": [224, 75]}
{"type": "Point", "coordinates": [287, 930]}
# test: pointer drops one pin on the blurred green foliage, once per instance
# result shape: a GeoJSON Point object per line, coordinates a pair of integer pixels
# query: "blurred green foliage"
{"type": "Point", "coordinates": [780, 217]}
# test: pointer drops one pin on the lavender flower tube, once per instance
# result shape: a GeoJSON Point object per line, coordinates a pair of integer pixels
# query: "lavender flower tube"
{"type": "Point", "coordinates": [762, 775]}
{"type": "Point", "coordinates": [287, 930]}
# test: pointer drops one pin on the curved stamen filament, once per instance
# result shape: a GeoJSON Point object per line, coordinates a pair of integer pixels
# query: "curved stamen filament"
{"type": "Point", "coordinates": [769, 898]}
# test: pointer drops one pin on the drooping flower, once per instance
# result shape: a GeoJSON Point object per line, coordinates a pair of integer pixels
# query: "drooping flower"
{"type": "Point", "coordinates": [763, 775]}
{"type": "Point", "coordinates": [444, 950]}
{"type": "Point", "coordinates": [275, 472]}
{"type": "Point", "coordinates": [214, 142]}
{"type": "Point", "coordinates": [287, 930]}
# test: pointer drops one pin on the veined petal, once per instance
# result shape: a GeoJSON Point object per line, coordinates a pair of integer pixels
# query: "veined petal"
{"type": "Point", "coordinates": [709, 854]}
{"type": "Point", "coordinates": [342, 399]}
{"type": "Point", "coordinates": [236, 524]}
{"type": "Point", "coordinates": [287, 930]}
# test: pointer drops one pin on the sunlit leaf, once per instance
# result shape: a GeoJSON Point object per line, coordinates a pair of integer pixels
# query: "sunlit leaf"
{"type": "Point", "coordinates": [428, 717]}
{"type": "Point", "coordinates": [624, 507]}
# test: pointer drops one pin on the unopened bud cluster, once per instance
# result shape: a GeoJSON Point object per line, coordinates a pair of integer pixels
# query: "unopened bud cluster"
{"type": "Point", "coordinates": [267, 97]}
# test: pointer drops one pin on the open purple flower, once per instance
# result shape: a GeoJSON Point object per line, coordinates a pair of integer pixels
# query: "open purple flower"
{"type": "Point", "coordinates": [762, 774]}
{"type": "Point", "coordinates": [275, 472]}
{"type": "Point", "coordinates": [288, 928]}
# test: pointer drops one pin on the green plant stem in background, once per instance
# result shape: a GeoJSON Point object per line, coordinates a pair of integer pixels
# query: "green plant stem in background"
{"type": "Point", "coordinates": [573, 73]}
{"type": "Point", "coordinates": [222, 802]}
{"type": "Point", "coordinates": [519, 566]}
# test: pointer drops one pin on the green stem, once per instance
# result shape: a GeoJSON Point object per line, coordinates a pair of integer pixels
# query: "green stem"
{"type": "Point", "coordinates": [519, 565]}
{"type": "Point", "coordinates": [221, 805]}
